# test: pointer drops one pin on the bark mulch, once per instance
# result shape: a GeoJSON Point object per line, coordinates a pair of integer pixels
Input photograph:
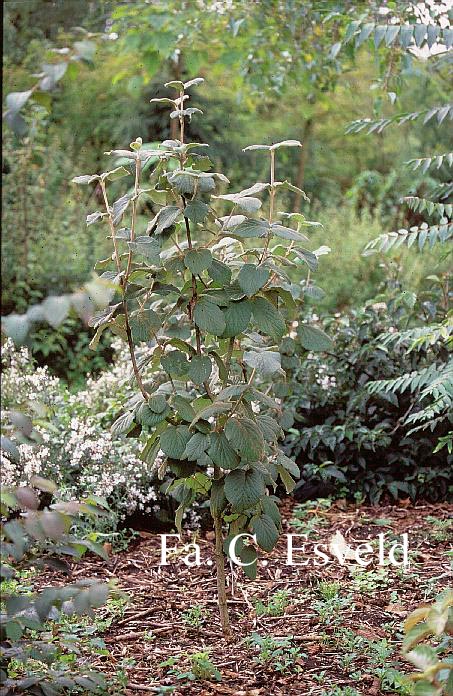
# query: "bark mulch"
{"type": "Point", "coordinates": [363, 622]}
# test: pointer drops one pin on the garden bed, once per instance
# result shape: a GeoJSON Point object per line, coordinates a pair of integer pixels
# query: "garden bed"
{"type": "Point", "coordinates": [343, 626]}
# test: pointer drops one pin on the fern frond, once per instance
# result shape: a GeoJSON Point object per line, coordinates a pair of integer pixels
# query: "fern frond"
{"type": "Point", "coordinates": [427, 162]}
{"type": "Point", "coordinates": [422, 235]}
{"type": "Point", "coordinates": [442, 190]}
{"type": "Point", "coordinates": [378, 125]}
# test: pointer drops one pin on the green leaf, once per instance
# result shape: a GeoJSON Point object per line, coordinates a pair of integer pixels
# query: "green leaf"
{"type": "Point", "coordinates": [251, 228]}
{"type": "Point", "coordinates": [211, 410]}
{"type": "Point", "coordinates": [148, 247]}
{"type": "Point", "coordinates": [165, 218]}
{"type": "Point", "coordinates": [197, 260]}
{"type": "Point", "coordinates": [313, 338]}
{"type": "Point", "coordinates": [144, 325]}
{"type": "Point", "coordinates": [248, 555]}
{"type": "Point", "coordinates": [200, 369]}
{"type": "Point", "coordinates": [196, 446]}
{"type": "Point", "coordinates": [244, 489]}
{"type": "Point", "coordinates": [174, 439]}
{"type": "Point", "coordinates": [149, 417]}
{"type": "Point", "coordinates": [270, 508]}
{"type": "Point", "coordinates": [123, 424]}
{"type": "Point", "coordinates": [251, 278]}
{"type": "Point", "coordinates": [219, 272]}
{"type": "Point", "coordinates": [266, 532]}
{"type": "Point", "coordinates": [237, 317]}
{"type": "Point", "coordinates": [268, 318]}
{"type": "Point", "coordinates": [422, 656]}
{"type": "Point", "coordinates": [16, 100]}
{"type": "Point", "coordinates": [218, 501]}
{"type": "Point", "coordinates": [222, 453]}
{"type": "Point", "coordinates": [183, 407]}
{"type": "Point", "coordinates": [308, 257]}
{"type": "Point", "coordinates": [288, 233]}
{"type": "Point", "coordinates": [287, 480]}
{"type": "Point", "coordinates": [175, 363]}
{"type": "Point", "coordinates": [288, 464]}
{"type": "Point", "coordinates": [157, 403]}
{"type": "Point", "coordinates": [269, 427]}
{"type": "Point", "coordinates": [246, 438]}
{"type": "Point", "coordinates": [208, 317]}
{"type": "Point", "coordinates": [266, 362]}
{"type": "Point", "coordinates": [197, 211]}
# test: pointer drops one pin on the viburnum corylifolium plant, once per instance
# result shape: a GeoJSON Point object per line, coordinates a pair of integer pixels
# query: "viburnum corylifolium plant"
{"type": "Point", "coordinates": [204, 298]}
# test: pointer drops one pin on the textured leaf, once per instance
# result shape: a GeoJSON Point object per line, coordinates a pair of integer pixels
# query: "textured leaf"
{"type": "Point", "coordinates": [218, 499]}
{"type": "Point", "coordinates": [251, 228]}
{"type": "Point", "coordinates": [313, 338]}
{"type": "Point", "coordinates": [268, 318]}
{"type": "Point", "coordinates": [219, 272]}
{"type": "Point", "coordinates": [208, 317]}
{"type": "Point", "coordinates": [267, 362]}
{"type": "Point", "coordinates": [174, 439]}
{"type": "Point", "coordinates": [246, 438]}
{"type": "Point", "coordinates": [269, 427]}
{"type": "Point", "coordinates": [251, 278]}
{"type": "Point", "coordinates": [144, 325]}
{"type": "Point", "coordinates": [222, 453]}
{"type": "Point", "coordinates": [183, 408]}
{"type": "Point", "coordinates": [243, 489]}
{"type": "Point", "coordinates": [196, 446]}
{"type": "Point", "coordinates": [200, 369]}
{"type": "Point", "coordinates": [237, 317]}
{"type": "Point", "coordinates": [211, 410]}
{"type": "Point", "coordinates": [196, 211]}
{"type": "Point", "coordinates": [123, 424]}
{"type": "Point", "coordinates": [266, 532]}
{"type": "Point", "coordinates": [148, 247]}
{"type": "Point", "coordinates": [197, 260]}
{"type": "Point", "coordinates": [175, 363]}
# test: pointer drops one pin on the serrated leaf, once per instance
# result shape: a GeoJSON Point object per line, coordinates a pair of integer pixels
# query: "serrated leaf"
{"type": "Point", "coordinates": [237, 318]}
{"type": "Point", "coordinates": [200, 369]}
{"type": "Point", "coordinates": [243, 489]}
{"type": "Point", "coordinates": [287, 480]}
{"type": "Point", "coordinates": [266, 532]}
{"type": "Point", "coordinates": [175, 363]}
{"type": "Point", "coordinates": [218, 501]}
{"type": "Point", "coordinates": [196, 446]}
{"type": "Point", "coordinates": [268, 318]}
{"type": "Point", "coordinates": [212, 410]}
{"type": "Point", "coordinates": [208, 317]}
{"type": "Point", "coordinates": [251, 278]}
{"type": "Point", "coordinates": [266, 362]}
{"type": "Point", "coordinates": [313, 338]}
{"type": "Point", "coordinates": [219, 272]}
{"type": "Point", "coordinates": [197, 260]}
{"type": "Point", "coordinates": [288, 464]}
{"type": "Point", "coordinates": [246, 438]}
{"type": "Point", "coordinates": [174, 439]}
{"type": "Point", "coordinates": [222, 453]}
{"type": "Point", "coordinates": [197, 211]}
{"type": "Point", "coordinates": [183, 408]}
{"type": "Point", "coordinates": [144, 325]}
{"type": "Point", "coordinates": [422, 656]}
{"type": "Point", "coordinates": [148, 247]}
{"type": "Point", "coordinates": [251, 228]}
{"type": "Point", "coordinates": [123, 424]}
{"type": "Point", "coordinates": [269, 427]}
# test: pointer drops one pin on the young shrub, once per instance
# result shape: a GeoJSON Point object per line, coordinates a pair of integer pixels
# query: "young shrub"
{"type": "Point", "coordinates": [205, 287]}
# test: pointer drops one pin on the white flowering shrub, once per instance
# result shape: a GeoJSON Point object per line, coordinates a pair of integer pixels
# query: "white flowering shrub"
{"type": "Point", "coordinates": [75, 449]}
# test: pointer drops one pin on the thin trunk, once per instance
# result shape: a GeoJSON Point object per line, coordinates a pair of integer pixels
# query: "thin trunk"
{"type": "Point", "coordinates": [300, 178]}
{"type": "Point", "coordinates": [221, 578]}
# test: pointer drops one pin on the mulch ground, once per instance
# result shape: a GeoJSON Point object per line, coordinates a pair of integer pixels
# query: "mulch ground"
{"type": "Point", "coordinates": [153, 629]}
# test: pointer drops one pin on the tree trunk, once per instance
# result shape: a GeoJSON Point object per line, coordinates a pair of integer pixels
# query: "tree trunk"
{"type": "Point", "coordinates": [221, 579]}
{"type": "Point", "coordinates": [300, 178]}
